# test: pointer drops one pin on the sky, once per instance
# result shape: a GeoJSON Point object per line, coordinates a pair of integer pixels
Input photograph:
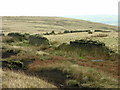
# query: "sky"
{"type": "Point", "coordinates": [58, 7]}
{"type": "Point", "coordinates": [106, 19]}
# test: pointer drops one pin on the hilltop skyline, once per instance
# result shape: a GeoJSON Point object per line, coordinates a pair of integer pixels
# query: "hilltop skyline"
{"type": "Point", "coordinates": [105, 19]}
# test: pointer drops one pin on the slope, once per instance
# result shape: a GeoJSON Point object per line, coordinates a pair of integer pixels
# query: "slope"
{"type": "Point", "coordinates": [35, 24]}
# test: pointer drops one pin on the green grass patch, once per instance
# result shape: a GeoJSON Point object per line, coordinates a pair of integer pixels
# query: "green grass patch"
{"type": "Point", "coordinates": [22, 43]}
{"type": "Point", "coordinates": [42, 58]}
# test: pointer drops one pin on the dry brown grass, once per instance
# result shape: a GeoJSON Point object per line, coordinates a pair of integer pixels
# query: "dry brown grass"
{"type": "Point", "coordinates": [58, 24]}
{"type": "Point", "coordinates": [12, 79]}
{"type": "Point", "coordinates": [38, 25]}
{"type": "Point", "coordinates": [48, 24]}
{"type": "Point", "coordinates": [111, 40]}
{"type": "Point", "coordinates": [100, 35]}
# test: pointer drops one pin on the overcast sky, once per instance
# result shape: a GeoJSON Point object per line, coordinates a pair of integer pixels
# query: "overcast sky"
{"type": "Point", "coordinates": [57, 7]}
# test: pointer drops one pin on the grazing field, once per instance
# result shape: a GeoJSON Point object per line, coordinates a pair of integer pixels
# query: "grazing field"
{"type": "Point", "coordinates": [57, 52]}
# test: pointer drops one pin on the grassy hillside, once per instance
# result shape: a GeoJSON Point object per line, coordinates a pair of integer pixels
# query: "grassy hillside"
{"type": "Point", "coordinates": [80, 64]}
{"type": "Point", "coordinates": [47, 24]}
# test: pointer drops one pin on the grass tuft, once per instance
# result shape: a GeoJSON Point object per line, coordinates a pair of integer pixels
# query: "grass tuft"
{"type": "Point", "coordinates": [20, 80]}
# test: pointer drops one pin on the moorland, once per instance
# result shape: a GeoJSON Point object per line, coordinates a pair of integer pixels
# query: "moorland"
{"type": "Point", "coordinates": [58, 52]}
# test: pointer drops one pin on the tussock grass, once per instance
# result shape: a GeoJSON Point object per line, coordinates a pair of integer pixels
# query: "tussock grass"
{"type": "Point", "coordinates": [8, 39]}
{"type": "Point", "coordinates": [88, 77]}
{"type": "Point", "coordinates": [12, 79]}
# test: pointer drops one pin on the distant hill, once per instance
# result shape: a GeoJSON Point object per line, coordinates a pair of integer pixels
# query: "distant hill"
{"type": "Point", "coordinates": [106, 19]}
{"type": "Point", "coordinates": [36, 24]}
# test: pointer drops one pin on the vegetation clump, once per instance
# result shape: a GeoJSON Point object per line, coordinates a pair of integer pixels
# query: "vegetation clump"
{"type": "Point", "coordinates": [8, 39]}
{"type": "Point", "coordinates": [75, 31]}
{"type": "Point", "coordinates": [7, 52]}
{"type": "Point", "coordinates": [26, 36]}
{"type": "Point", "coordinates": [51, 33]}
{"type": "Point", "coordinates": [102, 31]}
{"type": "Point", "coordinates": [90, 45]}
{"type": "Point", "coordinates": [38, 40]}
{"type": "Point", "coordinates": [18, 36]}
{"type": "Point", "coordinates": [90, 32]}
{"type": "Point", "coordinates": [72, 83]}
{"type": "Point", "coordinates": [66, 31]}
{"type": "Point", "coordinates": [87, 47]}
{"type": "Point", "coordinates": [86, 42]}
{"type": "Point", "coordinates": [12, 64]}
{"type": "Point", "coordinates": [100, 35]}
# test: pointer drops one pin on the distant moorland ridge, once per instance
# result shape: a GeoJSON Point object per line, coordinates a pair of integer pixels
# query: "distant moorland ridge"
{"type": "Point", "coordinates": [38, 24]}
